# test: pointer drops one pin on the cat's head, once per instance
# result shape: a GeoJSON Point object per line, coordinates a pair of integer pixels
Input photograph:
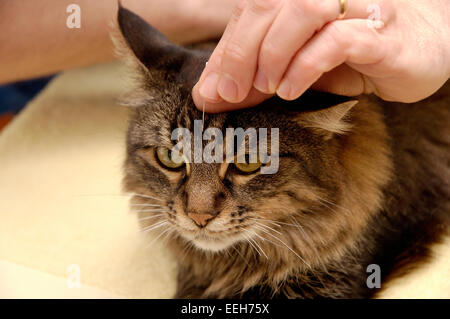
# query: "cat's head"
{"type": "Point", "coordinates": [302, 208]}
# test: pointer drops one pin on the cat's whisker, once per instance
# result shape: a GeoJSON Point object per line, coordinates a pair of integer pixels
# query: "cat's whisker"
{"type": "Point", "coordinates": [276, 223]}
{"type": "Point", "coordinates": [170, 233]}
{"type": "Point", "coordinates": [331, 203]}
{"type": "Point", "coordinates": [228, 253]}
{"type": "Point", "coordinates": [151, 211]}
{"type": "Point", "coordinates": [269, 221]}
{"type": "Point", "coordinates": [188, 246]}
{"type": "Point", "coordinates": [265, 239]}
{"type": "Point", "coordinates": [147, 196]}
{"type": "Point", "coordinates": [295, 224]}
{"type": "Point", "coordinates": [239, 253]}
{"type": "Point", "coordinates": [287, 246]}
{"type": "Point", "coordinates": [258, 218]}
{"type": "Point", "coordinates": [157, 237]}
{"type": "Point", "coordinates": [259, 247]}
{"type": "Point", "coordinates": [147, 205]}
{"type": "Point", "coordinates": [249, 247]}
{"type": "Point", "coordinates": [247, 239]}
{"type": "Point", "coordinates": [154, 226]}
{"type": "Point", "coordinates": [308, 240]}
{"type": "Point", "coordinates": [150, 229]}
{"type": "Point", "coordinates": [151, 217]}
{"type": "Point", "coordinates": [251, 243]}
{"type": "Point", "coordinates": [268, 227]}
{"type": "Point", "coordinates": [328, 206]}
{"type": "Point", "coordinates": [251, 240]}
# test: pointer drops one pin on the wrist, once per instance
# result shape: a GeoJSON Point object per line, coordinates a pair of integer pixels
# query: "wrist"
{"type": "Point", "coordinates": [443, 29]}
{"type": "Point", "coordinates": [207, 18]}
{"type": "Point", "coordinates": [446, 45]}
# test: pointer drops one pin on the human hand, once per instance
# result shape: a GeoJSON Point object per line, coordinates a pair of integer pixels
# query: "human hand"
{"type": "Point", "coordinates": [284, 46]}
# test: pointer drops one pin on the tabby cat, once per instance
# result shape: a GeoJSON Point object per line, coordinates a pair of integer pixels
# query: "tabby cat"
{"type": "Point", "coordinates": [360, 182]}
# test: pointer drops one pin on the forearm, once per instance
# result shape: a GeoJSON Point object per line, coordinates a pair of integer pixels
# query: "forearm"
{"type": "Point", "coordinates": [35, 40]}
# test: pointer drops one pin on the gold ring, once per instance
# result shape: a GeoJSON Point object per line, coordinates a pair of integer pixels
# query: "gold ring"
{"type": "Point", "coordinates": [343, 8]}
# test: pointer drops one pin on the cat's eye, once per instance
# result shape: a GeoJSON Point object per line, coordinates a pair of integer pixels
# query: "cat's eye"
{"type": "Point", "coordinates": [247, 167]}
{"type": "Point", "coordinates": [169, 159]}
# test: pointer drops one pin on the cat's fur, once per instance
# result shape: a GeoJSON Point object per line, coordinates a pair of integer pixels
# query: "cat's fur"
{"type": "Point", "coordinates": [357, 184]}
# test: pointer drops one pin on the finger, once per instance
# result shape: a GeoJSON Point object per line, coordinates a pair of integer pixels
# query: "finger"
{"type": "Point", "coordinates": [253, 98]}
{"type": "Point", "coordinates": [241, 52]}
{"type": "Point", "coordinates": [344, 80]}
{"type": "Point", "coordinates": [296, 23]}
{"type": "Point", "coordinates": [352, 41]}
{"type": "Point", "coordinates": [205, 91]}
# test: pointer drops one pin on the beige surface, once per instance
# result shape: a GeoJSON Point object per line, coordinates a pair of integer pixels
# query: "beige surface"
{"type": "Point", "coordinates": [60, 202]}
{"type": "Point", "coordinates": [20, 282]}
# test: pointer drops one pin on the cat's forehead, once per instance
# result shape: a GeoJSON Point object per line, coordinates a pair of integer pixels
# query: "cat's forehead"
{"type": "Point", "coordinates": [158, 121]}
{"type": "Point", "coordinates": [175, 112]}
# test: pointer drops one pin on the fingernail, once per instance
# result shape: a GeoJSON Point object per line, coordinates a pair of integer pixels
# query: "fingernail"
{"type": "Point", "coordinates": [284, 90]}
{"type": "Point", "coordinates": [208, 88]}
{"type": "Point", "coordinates": [261, 83]}
{"type": "Point", "coordinates": [227, 88]}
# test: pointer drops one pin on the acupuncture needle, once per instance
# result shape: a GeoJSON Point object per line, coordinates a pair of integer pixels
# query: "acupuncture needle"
{"type": "Point", "coordinates": [203, 114]}
{"type": "Point", "coordinates": [203, 117]}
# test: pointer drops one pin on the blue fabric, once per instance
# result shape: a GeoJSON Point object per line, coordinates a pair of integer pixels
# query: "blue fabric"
{"type": "Point", "coordinates": [13, 97]}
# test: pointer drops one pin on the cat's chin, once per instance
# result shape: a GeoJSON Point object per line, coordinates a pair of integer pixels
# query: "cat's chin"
{"type": "Point", "coordinates": [212, 244]}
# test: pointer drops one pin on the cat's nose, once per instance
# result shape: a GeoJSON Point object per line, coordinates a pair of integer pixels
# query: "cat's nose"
{"type": "Point", "coordinates": [200, 219]}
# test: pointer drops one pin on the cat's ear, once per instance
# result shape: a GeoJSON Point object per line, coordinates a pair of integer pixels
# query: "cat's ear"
{"type": "Point", "coordinates": [329, 121]}
{"type": "Point", "coordinates": [153, 52]}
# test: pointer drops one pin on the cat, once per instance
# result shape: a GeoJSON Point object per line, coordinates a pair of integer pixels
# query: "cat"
{"type": "Point", "coordinates": [360, 182]}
